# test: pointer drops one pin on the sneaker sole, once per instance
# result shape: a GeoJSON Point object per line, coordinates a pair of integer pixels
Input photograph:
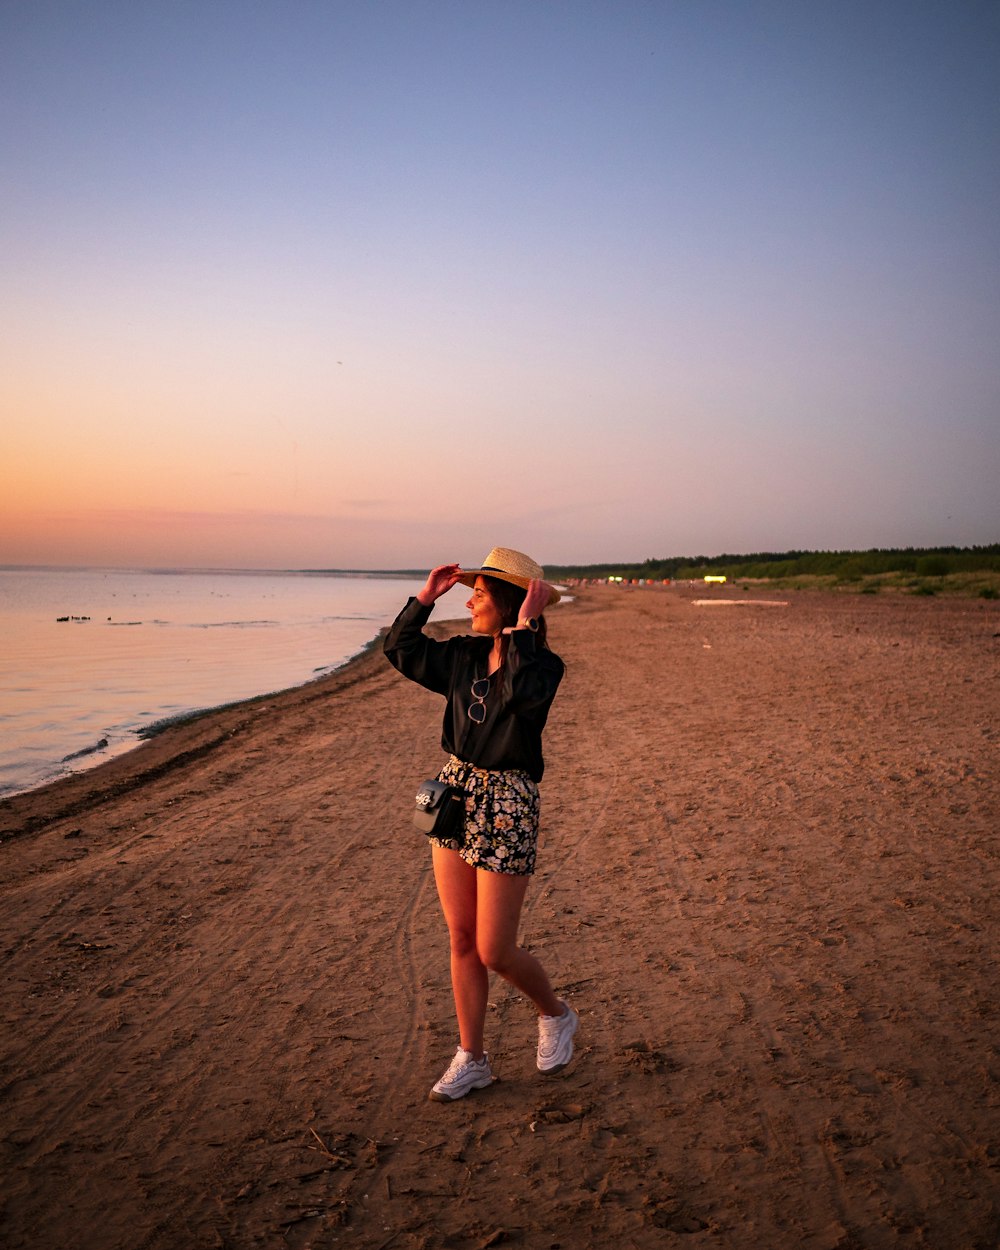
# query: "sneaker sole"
{"type": "Point", "coordinates": [437, 1096]}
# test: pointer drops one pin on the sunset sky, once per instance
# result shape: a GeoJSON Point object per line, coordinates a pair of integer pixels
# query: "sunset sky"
{"type": "Point", "coordinates": [387, 284]}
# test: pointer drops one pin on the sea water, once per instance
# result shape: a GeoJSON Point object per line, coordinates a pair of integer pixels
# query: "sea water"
{"type": "Point", "coordinates": [90, 659]}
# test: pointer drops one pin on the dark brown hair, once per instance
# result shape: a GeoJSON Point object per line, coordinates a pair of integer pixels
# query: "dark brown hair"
{"type": "Point", "coordinates": [508, 599]}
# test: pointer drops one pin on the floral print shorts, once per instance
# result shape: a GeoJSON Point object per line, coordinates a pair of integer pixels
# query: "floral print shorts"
{"type": "Point", "coordinates": [501, 818]}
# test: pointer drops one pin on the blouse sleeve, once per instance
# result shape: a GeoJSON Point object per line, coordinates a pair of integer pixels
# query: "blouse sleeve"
{"type": "Point", "coordinates": [533, 673]}
{"type": "Point", "coordinates": [408, 649]}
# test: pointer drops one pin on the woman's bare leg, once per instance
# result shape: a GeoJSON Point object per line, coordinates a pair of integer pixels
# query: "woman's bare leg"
{"type": "Point", "coordinates": [498, 913]}
{"type": "Point", "coordinates": [483, 910]}
{"type": "Point", "coordinates": [456, 884]}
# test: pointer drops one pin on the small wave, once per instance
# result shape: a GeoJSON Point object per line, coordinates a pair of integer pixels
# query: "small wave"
{"type": "Point", "coordinates": [233, 624]}
{"type": "Point", "coordinates": [76, 755]}
{"type": "Point", "coordinates": [206, 624]}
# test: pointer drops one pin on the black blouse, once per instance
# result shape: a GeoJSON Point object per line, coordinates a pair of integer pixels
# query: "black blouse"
{"type": "Point", "coordinates": [520, 694]}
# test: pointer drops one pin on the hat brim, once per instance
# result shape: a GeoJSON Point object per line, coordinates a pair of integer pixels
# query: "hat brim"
{"type": "Point", "coordinates": [468, 578]}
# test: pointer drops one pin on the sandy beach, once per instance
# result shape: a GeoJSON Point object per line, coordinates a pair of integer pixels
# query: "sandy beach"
{"type": "Point", "coordinates": [768, 880]}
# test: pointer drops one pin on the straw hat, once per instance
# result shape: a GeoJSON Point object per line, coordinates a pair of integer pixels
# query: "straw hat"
{"type": "Point", "coordinates": [508, 566]}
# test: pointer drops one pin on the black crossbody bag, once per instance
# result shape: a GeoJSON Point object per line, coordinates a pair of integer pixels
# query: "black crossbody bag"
{"type": "Point", "coordinates": [440, 810]}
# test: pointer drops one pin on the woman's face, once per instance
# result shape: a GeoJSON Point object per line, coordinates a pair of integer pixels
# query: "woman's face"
{"type": "Point", "coordinates": [486, 617]}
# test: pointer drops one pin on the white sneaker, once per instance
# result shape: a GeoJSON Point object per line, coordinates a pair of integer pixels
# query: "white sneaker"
{"type": "Point", "coordinates": [555, 1040]}
{"type": "Point", "coordinates": [464, 1074]}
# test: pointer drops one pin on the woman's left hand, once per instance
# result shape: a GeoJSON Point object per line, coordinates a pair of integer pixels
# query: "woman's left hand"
{"type": "Point", "coordinates": [536, 600]}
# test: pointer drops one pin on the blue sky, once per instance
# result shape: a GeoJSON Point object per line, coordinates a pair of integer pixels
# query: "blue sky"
{"type": "Point", "coordinates": [389, 284]}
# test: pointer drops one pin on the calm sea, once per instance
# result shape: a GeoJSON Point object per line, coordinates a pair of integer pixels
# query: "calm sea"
{"type": "Point", "coordinates": [142, 647]}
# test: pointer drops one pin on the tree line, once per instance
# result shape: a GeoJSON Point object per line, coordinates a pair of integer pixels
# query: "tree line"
{"type": "Point", "coordinates": [843, 565]}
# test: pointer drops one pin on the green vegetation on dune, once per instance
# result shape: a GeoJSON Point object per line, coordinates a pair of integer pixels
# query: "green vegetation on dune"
{"type": "Point", "coordinates": [919, 570]}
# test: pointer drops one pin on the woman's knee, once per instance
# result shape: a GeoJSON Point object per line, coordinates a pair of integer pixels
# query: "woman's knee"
{"type": "Point", "coordinates": [463, 942]}
{"type": "Point", "coordinates": [498, 956]}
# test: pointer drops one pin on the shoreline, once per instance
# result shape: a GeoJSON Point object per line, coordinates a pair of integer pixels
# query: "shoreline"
{"type": "Point", "coordinates": [136, 735]}
{"type": "Point", "coordinates": [768, 880]}
{"type": "Point", "coordinates": [80, 693]}
{"type": "Point", "coordinates": [174, 755]}
{"type": "Point", "coordinates": [180, 741]}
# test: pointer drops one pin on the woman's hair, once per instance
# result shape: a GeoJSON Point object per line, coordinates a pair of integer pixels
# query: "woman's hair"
{"type": "Point", "coordinates": [508, 599]}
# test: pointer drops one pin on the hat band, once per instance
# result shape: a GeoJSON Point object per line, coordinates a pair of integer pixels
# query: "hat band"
{"type": "Point", "coordinates": [490, 568]}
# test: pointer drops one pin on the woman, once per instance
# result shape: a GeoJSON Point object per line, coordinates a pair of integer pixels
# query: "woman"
{"type": "Point", "coordinates": [498, 689]}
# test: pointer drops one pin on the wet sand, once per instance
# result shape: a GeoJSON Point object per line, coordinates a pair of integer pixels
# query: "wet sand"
{"type": "Point", "coordinates": [768, 881]}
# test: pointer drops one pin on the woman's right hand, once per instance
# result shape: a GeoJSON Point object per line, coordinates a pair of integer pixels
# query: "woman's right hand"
{"type": "Point", "coordinates": [439, 582]}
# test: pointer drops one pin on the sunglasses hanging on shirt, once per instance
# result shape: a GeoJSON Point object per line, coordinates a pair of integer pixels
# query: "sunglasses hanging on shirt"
{"type": "Point", "coordinates": [477, 709]}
